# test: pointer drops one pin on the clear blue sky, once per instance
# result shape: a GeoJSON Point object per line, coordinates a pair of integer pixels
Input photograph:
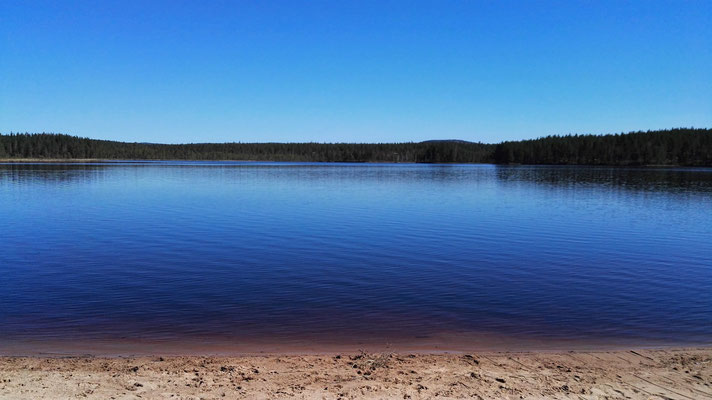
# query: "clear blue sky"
{"type": "Point", "coordinates": [361, 71]}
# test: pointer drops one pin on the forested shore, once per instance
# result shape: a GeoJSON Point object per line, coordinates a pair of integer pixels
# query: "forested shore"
{"type": "Point", "coordinates": [683, 146]}
{"type": "Point", "coordinates": [687, 147]}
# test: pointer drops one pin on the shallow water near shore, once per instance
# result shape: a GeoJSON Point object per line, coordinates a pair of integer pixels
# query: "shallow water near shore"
{"type": "Point", "coordinates": [304, 253]}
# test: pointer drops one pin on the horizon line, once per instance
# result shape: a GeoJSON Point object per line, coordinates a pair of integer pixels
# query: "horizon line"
{"type": "Point", "coordinates": [401, 142]}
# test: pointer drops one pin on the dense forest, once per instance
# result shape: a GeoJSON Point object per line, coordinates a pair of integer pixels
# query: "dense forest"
{"type": "Point", "coordinates": [64, 146]}
{"type": "Point", "coordinates": [691, 147]}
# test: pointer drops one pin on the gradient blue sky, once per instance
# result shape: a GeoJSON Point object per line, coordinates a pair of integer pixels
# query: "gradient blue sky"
{"type": "Point", "coordinates": [362, 71]}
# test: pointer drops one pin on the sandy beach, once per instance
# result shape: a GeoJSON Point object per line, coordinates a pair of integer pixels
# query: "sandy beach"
{"type": "Point", "coordinates": [629, 374]}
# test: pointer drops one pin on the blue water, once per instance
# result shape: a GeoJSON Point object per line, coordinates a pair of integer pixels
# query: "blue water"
{"type": "Point", "coordinates": [173, 251]}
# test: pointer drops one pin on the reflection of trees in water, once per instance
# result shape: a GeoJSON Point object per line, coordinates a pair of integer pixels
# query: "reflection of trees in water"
{"type": "Point", "coordinates": [636, 179]}
{"type": "Point", "coordinates": [681, 180]}
{"type": "Point", "coordinates": [28, 173]}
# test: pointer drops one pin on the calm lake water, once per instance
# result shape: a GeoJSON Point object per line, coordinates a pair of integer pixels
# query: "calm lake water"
{"type": "Point", "coordinates": [301, 252]}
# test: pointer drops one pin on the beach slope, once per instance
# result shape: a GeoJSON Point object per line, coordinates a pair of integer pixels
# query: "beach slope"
{"type": "Point", "coordinates": [635, 374]}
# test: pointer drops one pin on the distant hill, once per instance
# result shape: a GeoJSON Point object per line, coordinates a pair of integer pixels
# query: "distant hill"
{"type": "Point", "coordinates": [54, 146]}
{"type": "Point", "coordinates": [683, 146]}
{"type": "Point", "coordinates": [445, 141]}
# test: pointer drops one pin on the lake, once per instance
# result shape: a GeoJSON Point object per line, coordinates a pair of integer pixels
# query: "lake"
{"type": "Point", "coordinates": [309, 253]}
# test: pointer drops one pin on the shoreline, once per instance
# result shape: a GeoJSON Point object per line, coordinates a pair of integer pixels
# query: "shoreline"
{"type": "Point", "coordinates": [680, 373]}
{"type": "Point", "coordinates": [239, 346]}
{"type": "Point", "coordinates": [138, 161]}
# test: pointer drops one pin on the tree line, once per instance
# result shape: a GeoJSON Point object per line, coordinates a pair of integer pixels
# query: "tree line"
{"type": "Point", "coordinates": [682, 146]}
{"type": "Point", "coordinates": [49, 146]}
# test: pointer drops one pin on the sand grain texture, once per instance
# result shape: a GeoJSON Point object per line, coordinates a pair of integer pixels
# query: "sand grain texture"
{"type": "Point", "coordinates": [640, 374]}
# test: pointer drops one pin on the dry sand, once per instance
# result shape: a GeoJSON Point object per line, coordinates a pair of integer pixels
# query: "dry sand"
{"type": "Point", "coordinates": [638, 374]}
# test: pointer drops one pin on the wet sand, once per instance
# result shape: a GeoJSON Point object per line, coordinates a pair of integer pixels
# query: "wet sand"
{"type": "Point", "coordinates": [634, 374]}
